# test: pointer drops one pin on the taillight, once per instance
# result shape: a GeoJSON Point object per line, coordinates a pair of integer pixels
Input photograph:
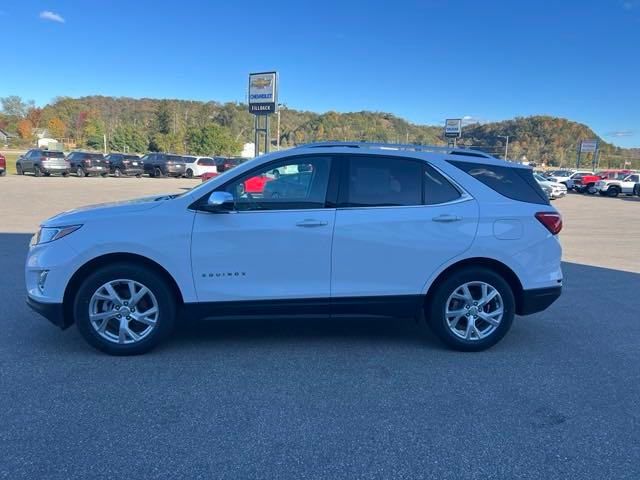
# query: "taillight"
{"type": "Point", "coordinates": [552, 221]}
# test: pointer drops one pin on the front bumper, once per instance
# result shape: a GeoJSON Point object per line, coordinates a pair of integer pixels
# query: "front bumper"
{"type": "Point", "coordinates": [538, 299]}
{"type": "Point", "coordinates": [54, 312]}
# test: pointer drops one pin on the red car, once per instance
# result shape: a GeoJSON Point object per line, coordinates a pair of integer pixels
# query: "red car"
{"type": "Point", "coordinates": [3, 165]}
{"type": "Point", "coordinates": [208, 176]}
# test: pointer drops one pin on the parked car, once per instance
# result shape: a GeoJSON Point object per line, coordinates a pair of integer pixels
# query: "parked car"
{"type": "Point", "coordinates": [554, 190]}
{"type": "Point", "coordinates": [208, 176]}
{"type": "Point", "coordinates": [197, 166]}
{"type": "Point", "coordinates": [226, 163]}
{"type": "Point", "coordinates": [586, 184]}
{"type": "Point", "coordinates": [88, 163]}
{"type": "Point", "coordinates": [613, 187]}
{"type": "Point", "coordinates": [164, 165]}
{"type": "Point", "coordinates": [125, 164]}
{"type": "Point", "coordinates": [42, 162]}
{"type": "Point", "coordinates": [465, 241]}
{"type": "Point", "coordinates": [567, 176]}
{"type": "Point", "coordinates": [3, 165]}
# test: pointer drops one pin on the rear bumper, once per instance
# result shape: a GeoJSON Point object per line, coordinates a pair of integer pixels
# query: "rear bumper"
{"type": "Point", "coordinates": [59, 170]}
{"type": "Point", "coordinates": [53, 312]}
{"type": "Point", "coordinates": [95, 170]}
{"type": "Point", "coordinates": [129, 170]}
{"type": "Point", "coordinates": [538, 299]}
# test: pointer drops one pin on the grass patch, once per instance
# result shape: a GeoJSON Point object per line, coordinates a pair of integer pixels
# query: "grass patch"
{"type": "Point", "coordinates": [11, 162]}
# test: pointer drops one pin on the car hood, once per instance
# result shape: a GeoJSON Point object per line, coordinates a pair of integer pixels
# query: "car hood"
{"type": "Point", "coordinates": [92, 212]}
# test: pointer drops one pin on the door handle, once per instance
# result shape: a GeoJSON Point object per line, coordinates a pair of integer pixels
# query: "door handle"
{"type": "Point", "coordinates": [446, 218]}
{"type": "Point", "coordinates": [309, 222]}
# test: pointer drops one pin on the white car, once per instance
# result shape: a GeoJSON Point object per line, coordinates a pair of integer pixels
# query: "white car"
{"type": "Point", "coordinates": [556, 190]}
{"type": "Point", "coordinates": [455, 236]}
{"type": "Point", "coordinates": [197, 166]}
{"type": "Point", "coordinates": [613, 187]}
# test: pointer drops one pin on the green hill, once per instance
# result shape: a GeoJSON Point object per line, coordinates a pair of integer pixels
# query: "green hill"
{"type": "Point", "coordinates": [182, 125]}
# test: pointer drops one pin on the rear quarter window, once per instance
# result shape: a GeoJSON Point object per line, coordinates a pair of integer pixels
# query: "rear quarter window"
{"type": "Point", "coordinates": [511, 182]}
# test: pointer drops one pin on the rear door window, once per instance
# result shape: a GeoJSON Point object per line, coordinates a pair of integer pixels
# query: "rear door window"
{"type": "Point", "coordinates": [374, 181]}
{"type": "Point", "coordinates": [511, 182]}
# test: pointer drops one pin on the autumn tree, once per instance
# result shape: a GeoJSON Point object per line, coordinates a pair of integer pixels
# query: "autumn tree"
{"type": "Point", "coordinates": [34, 115]}
{"type": "Point", "coordinates": [57, 128]}
{"type": "Point", "coordinates": [25, 129]}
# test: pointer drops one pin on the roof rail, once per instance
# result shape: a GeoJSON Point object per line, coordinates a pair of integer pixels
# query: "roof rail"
{"type": "Point", "coordinates": [399, 146]}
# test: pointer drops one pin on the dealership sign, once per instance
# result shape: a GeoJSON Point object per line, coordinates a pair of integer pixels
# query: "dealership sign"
{"type": "Point", "coordinates": [588, 146]}
{"type": "Point", "coordinates": [453, 128]}
{"type": "Point", "coordinates": [263, 93]}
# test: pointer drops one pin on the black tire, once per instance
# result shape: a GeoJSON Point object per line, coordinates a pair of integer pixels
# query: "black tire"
{"type": "Point", "coordinates": [104, 175]}
{"type": "Point", "coordinates": [80, 172]}
{"type": "Point", "coordinates": [117, 172]}
{"type": "Point", "coordinates": [636, 189]}
{"type": "Point", "coordinates": [3, 173]}
{"type": "Point", "coordinates": [613, 192]}
{"type": "Point", "coordinates": [65, 174]}
{"type": "Point", "coordinates": [37, 171]}
{"type": "Point", "coordinates": [189, 173]}
{"type": "Point", "coordinates": [435, 310]}
{"type": "Point", "coordinates": [47, 174]}
{"type": "Point", "coordinates": [139, 273]}
{"type": "Point", "coordinates": [19, 170]}
{"type": "Point", "coordinates": [138, 175]}
{"type": "Point", "coordinates": [157, 172]}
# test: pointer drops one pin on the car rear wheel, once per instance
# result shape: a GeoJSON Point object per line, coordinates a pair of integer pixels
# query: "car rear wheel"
{"type": "Point", "coordinates": [124, 309]}
{"type": "Point", "coordinates": [80, 172]}
{"type": "Point", "coordinates": [472, 309]}
{"type": "Point", "coordinates": [37, 171]}
{"type": "Point", "coordinates": [613, 191]}
{"type": "Point", "coordinates": [117, 172]}
{"type": "Point", "coordinates": [189, 173]}
{"type": "Point", "coordinates": [157, 172]}
{"type": "Point", "coordinates": [19, 170]}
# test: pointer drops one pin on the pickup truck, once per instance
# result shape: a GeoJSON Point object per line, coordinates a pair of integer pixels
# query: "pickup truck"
{"type": "Point", "coordinates": [587, 183]}
{"type": "Point", "coordinates": [3, 165]}
{"type": "Point", "coordinates": [615, 187]}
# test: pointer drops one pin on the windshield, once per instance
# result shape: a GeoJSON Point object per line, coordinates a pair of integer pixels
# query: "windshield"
{"type": "Point", "coordinates": [539, 177]}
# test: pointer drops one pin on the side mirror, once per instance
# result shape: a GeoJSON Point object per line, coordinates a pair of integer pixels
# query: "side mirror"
{"type": "Point", "coordinates": [220, 202]}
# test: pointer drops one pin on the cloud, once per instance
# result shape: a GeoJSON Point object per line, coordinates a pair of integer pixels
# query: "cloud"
{"type": "Point", "coordinates": [54, 17]}
{"type": "Point", "coordinates": [621, 133]}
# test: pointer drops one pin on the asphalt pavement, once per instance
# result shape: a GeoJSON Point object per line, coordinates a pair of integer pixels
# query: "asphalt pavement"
{"type": "Point", "coordinates": [324, 399]}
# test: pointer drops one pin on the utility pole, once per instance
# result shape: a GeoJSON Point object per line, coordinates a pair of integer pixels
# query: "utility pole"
{"type": "Point", "coordinates": [506, 146]}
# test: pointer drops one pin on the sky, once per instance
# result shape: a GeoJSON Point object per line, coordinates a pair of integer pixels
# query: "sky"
{"type": "Point", "coordinates": [421, 60]}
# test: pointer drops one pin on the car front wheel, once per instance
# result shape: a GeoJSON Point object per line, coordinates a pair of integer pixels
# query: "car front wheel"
{"type": "Point", "coordinates": [472, 309]}
{"type": "Point", "coordinates": [613, 192]}
{"type": "Point", "coordinates": [124, 309]}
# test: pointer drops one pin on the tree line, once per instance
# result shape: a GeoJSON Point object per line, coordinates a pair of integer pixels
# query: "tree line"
{"type": "Point", "coordinates": [205, 128]}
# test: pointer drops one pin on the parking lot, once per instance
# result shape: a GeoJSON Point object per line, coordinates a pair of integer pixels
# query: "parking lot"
{"type": "Point", "coordinates": [326, 398]}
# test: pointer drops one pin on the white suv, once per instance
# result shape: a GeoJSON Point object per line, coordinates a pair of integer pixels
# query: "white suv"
{"type": "Point", "coordinates": [454, 236]}
{"type": "Point", "coordinates": [614, 187]}
{"type": "Point", "coordinates": [197, 166]}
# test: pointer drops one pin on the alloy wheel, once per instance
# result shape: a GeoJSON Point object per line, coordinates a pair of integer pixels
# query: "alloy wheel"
{"type": "Point", "coordinates": [474, 310]}
{"type": "Point", "coordinates": [123, 311]}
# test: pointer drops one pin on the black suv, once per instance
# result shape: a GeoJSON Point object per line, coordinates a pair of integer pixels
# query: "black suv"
{"type": "Point", "coordinates": [125, 164]}
{"type": "Point", "coordinates": [86, 163]}
{"type": "Point", "coordinates": [163, 165]}
{"type": "Point", "coordinates": [42, 162]}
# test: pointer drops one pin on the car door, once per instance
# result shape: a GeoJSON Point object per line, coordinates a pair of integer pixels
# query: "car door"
{"type": "Point", "coordinates": [267, 248]}
{"type": "Point", "coordinates": [27, 161]}
{"type": "Point", "coordinates": [629, 183]}
{"type": "Point", "coordinates": [398, 221]}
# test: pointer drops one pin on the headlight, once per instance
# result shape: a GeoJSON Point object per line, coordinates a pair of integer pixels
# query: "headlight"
{"type": "Point", "coordinates": [49, 234]}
